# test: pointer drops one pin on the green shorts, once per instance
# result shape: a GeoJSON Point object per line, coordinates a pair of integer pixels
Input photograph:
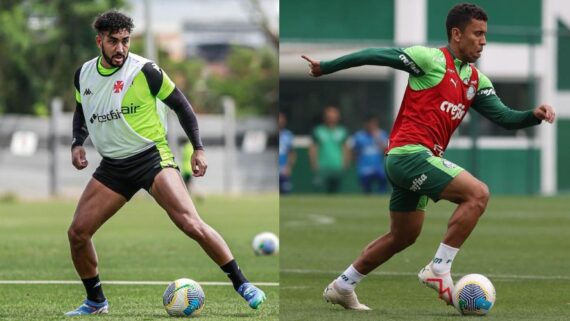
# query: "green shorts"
{"type": "Point", "coordinates": [416, 174]}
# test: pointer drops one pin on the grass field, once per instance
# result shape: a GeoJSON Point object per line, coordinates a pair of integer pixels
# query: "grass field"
{"type": "Point", "coordinates": [138, 244]}
{"type": "Point", "coordinates": [521, 244]}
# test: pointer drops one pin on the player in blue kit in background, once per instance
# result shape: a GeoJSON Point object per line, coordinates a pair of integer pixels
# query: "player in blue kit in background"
{"type": "Point", "coordinates": [287, 155]}
{"type": "Point", "coordinates": [368, 147]}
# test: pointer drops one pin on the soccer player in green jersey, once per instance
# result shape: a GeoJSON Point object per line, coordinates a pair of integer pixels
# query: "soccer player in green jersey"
{"type": "Point", "coordinates": [117, 106]}
{"type": "Point", "coordinates": [442, 86]}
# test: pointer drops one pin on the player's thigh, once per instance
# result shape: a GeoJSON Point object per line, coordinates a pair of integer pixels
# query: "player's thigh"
{"type": "Point", "coordinates": [421, 173]}
{"type": "Point", "coordinates": [97, 204]}
{"type": "Point", "coordinates": [463, 187]}
{"type": "Point", "coordinates": [405, 201]}
{"type": "Point", "coordinates": [170, 193]}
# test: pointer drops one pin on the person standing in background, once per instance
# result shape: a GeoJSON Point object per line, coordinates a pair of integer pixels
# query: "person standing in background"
{"type": "Point", "coordinates": [368, 145]}
{"type": "Point", "coordinates": [328, 152]}
{"type": "Point", "coordinates": [287, 155]}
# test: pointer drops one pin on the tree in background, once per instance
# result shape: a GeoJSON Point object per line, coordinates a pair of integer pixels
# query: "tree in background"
{"type": "Point", "coordinates": [252, 80]}
{"type": "Point", "coordinates": [42, 43]}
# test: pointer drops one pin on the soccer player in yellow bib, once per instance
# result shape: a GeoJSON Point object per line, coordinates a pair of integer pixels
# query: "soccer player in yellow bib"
{"type": "Point", "coordinates": [116, 96]}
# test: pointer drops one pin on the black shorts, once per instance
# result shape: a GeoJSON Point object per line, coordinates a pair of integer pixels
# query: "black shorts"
{"type": "Point", "coordinates": [126, 176]}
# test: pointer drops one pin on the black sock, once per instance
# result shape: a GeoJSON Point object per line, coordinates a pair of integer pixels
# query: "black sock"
{"type": "Point", "coordinates": [94, 289]}
{"type": "Point", "coordinates": [234, 273]}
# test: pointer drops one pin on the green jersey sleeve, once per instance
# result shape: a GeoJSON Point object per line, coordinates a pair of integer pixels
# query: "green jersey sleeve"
{"type": "Point", "coordinates": [425, 58]}
{"type": "Point", "coordinates": [488, 104]}
{"type": "Point", "coordinates": [390, 57]}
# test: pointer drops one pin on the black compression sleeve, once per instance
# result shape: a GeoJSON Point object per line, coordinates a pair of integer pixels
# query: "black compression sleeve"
{"type": "Point", "coordinates": [76, 79]}
{"type": "Point", "coordinates": [177, 102]}
{"type": "Point", "coordinates": [80, 132]}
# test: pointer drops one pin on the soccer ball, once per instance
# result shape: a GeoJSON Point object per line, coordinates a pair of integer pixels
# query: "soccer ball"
{"type": "Point", "coordinates": [265, 243]}
{"type": "Point", "coordinates": [474, 294]}
{"type": "Point", "coordinates": [183, 297]}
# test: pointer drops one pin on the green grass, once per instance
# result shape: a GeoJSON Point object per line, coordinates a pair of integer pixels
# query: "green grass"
{"type": "Point", "coordinates": [139, 243]}
{"type": "Point", "coordinates": [522, 244]}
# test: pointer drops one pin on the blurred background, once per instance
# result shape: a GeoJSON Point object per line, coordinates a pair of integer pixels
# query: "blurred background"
{"type": "Point", "coordinates": [222, 54]}
{"type": "Point", "coordinates": [525, 58]}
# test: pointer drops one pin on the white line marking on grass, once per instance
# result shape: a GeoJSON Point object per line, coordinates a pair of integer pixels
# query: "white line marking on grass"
{"type": "Point", "coordinates": [312, 219]}
{"type": "Point", "coordinates": [123, 282]}
{"type": "Point", "coordinates": [495, 276]}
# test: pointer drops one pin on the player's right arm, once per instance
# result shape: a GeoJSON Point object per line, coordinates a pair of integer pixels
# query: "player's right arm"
{"type": "Point", "coordinates": [416, 61]}
{"type": "Point", "coordinates": [80, 132]}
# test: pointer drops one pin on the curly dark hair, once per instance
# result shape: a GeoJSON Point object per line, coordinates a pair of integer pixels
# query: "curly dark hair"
{"type": "Point", "coordinates": [460, 15]}
{"type": "Point", "coordinates": [112, 21]}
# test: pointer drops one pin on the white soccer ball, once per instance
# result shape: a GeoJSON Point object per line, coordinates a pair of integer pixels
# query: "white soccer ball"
{"type": "Point", "coordinates": [265, 243]}
{"type": "Point", "coordinates": [183, 297]}
{"type": "Point", "coordinates": [474, 294]}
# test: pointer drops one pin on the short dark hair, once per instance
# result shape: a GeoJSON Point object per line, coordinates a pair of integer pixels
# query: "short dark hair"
{"type": "Point", "coordinates": [460, 15]}
{"type": "Point", "coordinates": [112, 21]}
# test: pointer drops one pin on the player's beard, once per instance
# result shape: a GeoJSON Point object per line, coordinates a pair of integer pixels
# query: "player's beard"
{"type": "Point", "coordinates": [109, 60]}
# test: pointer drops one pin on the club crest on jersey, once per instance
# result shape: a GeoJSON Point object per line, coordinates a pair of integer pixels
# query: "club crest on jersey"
{"type": "Point", "coordinates": [118, 86]}
{"type": "Point", "coordinates": [471, 92]}
{"type": "Point", "coordinates": [448, 164]}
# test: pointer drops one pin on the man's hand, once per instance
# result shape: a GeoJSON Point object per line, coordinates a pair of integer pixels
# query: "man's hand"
{"type": "Point", "coordinates": [199, 163]}
{"type": "Point", "coordinates": [314, 66]}
{"type": "Point", "coordinates": [545, 112]}
{"type": "Point", "coordinates": [78, 157]}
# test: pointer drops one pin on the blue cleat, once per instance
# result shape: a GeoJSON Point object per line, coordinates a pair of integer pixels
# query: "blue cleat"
{"type": "Point", "coordinates": [90, 307]}
{"type": "Point", "coordinates": [252, 294]}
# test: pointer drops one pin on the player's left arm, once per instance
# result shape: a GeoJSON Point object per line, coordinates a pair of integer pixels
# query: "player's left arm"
{"type": "Point", "coordinates": [491, 107]}
{"type": "Point", "coordinates": [164, 89]}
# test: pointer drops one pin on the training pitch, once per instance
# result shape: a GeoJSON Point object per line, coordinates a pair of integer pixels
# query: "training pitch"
{"type": "Point", "coordinates": [139, 250]}
{"type": "Point", "coordinates": [521, 243]}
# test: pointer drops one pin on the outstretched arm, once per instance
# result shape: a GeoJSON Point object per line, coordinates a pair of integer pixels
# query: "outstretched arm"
{"type": "Point", "coordinates": [491, 107]}
{"type": "Point", "coordinates": [396, 58]}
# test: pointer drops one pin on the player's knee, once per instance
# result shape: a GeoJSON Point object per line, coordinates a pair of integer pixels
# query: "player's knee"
{"type": "Point", "coordinates": [77, 236]}
{"type": "Point", "coordinates": [194, 228]}
{"type": "Point", "coordinates": [479, 197]}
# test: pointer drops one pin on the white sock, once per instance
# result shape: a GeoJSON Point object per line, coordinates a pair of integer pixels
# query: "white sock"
{"type": "Point", "coordinates": [443, 259]}
{"type": "Point", "coordinates": [348, 280]}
